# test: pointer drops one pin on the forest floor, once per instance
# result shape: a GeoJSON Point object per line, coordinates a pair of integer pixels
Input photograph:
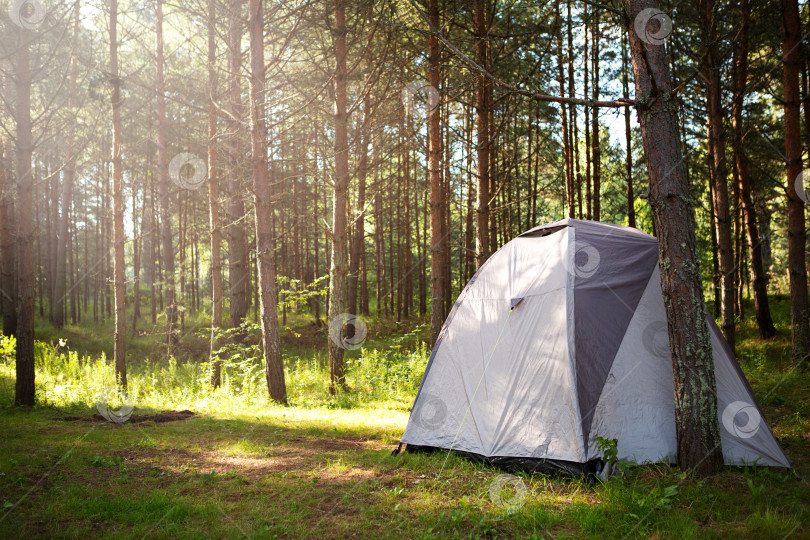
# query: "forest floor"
{"type": "Point", "coordinates": [325, 470]}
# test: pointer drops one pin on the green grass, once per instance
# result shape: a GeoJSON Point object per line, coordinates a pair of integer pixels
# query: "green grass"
{"type": "Point", "coordinates": [322, 467]}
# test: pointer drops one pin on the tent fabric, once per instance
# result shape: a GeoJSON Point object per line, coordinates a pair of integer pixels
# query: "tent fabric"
{"type": "Point", "coordinates": [561, 338]}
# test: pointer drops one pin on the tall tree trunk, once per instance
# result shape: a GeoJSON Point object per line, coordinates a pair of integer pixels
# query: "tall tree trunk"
{"type": "Point", "coordinates": [136, 264]}
{"type": "Point", "coordinates": [8, 247]}
{"type": "Point", "coordinates": [379, 238]}
{"type": "Point", "coordinates": [406, 225]}
{"type": "Point", "coordinates": [573, 136]}
{"type": "Point", "coordinates": [237, 242]}
{"type": "Point", "coordinates": [587, 110]}
{"type": "Point", "coordinates": [148, 232]}
{"type": "Point", "coordinates": [696, 421]}
{"type": "Point", "coordinates": [423, 284]}
{"type": "Point", "coordinates": [763, 312]}
{"type": "Point", "coordinates": [717, 148]}
{"type": "Point", "coordinates": [631, 209]}
{"type": "Point", "coordinates": [567, 168]}
{"type": "Point", "coordinates": [337, 274]}
{"type": "Point", "coordinates": [24, 386]}
{"type": "Point", "coordinates": [67, 185]}
{"type": "Point", "coordinates": [447, 270]}
{"type": "Point", "coordinates": [596, 152]}
{"type": "Point", "coordinates": [167, 248]}
{"type": "Point", "coordinates": [362, 194]}
{"type": "Point", "coordinates": [263, 213]}
{"type": "Point", "coordinates": [797, 234]}
{"type": "Point", "coordinates": [437, 195]}
{"type": "Point", "coordinates": [358, 229]}
{"type": "Point", "coordinates": [712, 224]}
{"type": "Point", "coordinates": [119, 280]}
{"type": "Point", "coordinates": [213, 201]}
{"type": "Point", "coordinates": [483, 92]}
{"type": "Point", "coordinates": [469, 229]}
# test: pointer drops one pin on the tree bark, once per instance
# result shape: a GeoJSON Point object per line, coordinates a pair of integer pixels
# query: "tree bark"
{"type": "Point", "coordinates": [213, 202]}
{"type": "Point", "coordinates": [119, 280]}
{"type": "Point", "coordinates": [698, 437]}
{"type": "Point", "coordinates": [631, 199]}
{"type": "Point", "coordinates": [797, 235]}
{"type": "Point", "coordinates": [263, 213]}
{"type": "Point", "coordinates": [406, 194]}
{"type": "Point", "coordinates": [24, 385]}
{"type": "Point", "coordinates": [60, 280]}
{"type": "Point", "coordinates": [358, 236]}
{"type": "Point", "coordinates": [717, 148]}
{"type": "Point", "coordinates": [437, 195]}
{"type": "Point", "coordinates": [167, 248]}
{"type": "Point", "coordinates": [761, 307]}
{"type": "Point", "coordinates": [379, 238]}
{"type": "Point", "coordinates": [483, 93]}
{"type": "Point", "coordinates": [567, 168]}
{"type": "Point", "coordinates": [338, 271]}
{"type": "Point", "coordinates": [136, 264]}
{"type": "Point", "coordinates": [237, 242]}
{"type": "Point", "coordinates": [596, 153]}
{"type": "Point", "coordinates": [573, 135]}
{"type": "Point", "coordinates": [587, 111]}
{"type": "Point", "coordinates": [8, 245]}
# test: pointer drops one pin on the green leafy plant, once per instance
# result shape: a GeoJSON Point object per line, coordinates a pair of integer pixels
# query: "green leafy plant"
{"type": "Point", "coordinates": [609, 449]}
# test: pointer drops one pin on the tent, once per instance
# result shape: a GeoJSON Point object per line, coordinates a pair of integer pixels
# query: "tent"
{"type": "Point", "coordinates": [559, 339]}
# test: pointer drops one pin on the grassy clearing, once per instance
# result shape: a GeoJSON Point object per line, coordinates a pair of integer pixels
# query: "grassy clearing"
{"type": "Point", "coordinates": [322, 467]}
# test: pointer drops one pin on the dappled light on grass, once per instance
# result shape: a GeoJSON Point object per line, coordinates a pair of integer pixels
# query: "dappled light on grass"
{"type": "Point", "coordinates": [376, 379]}
{"type": "Point", "coordinates": [323, 467]}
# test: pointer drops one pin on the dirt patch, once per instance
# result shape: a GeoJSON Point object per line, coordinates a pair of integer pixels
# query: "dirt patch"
{"type": "Point", "coordinates": [348, 442]}
{"type": "Point", "coordinates": [159, 418]}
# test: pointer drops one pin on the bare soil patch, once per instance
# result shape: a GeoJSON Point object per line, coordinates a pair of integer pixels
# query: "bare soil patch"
{"type": "Point", "coordinates": [159, 418]}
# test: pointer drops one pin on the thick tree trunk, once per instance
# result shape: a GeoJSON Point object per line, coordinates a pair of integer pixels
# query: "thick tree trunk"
{"type": "Point", "coordinates": [237, 242]}
{"type": "Point", "coordinates": [437, 195]}
{"type": "Point", "coordinates": [167, 247]}
{"type": "Point", "coordinates": [797, 235]}
{"type": "Point", "coordinates": [8, 245]}
{"type": "Point", "coordinates": [338, 271]}
{"type": "Point", "coordinates": [483, 92]}
{"type": "Point", "coordinates": [24, 386]}
{"type": "Point", "coordinates": [763, 312]}
{"type": "Point", "coordinates": [263, 213]}
{"type": "Point", "coordinates": [213, 201]}
{"type": "Point", "coordinates": [696, 420]}
{"type": "Point", "coordinates": [717, 148]}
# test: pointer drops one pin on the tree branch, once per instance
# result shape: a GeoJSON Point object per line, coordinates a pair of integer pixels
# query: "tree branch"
{"type": "Point", "coordinates": [511, 87]}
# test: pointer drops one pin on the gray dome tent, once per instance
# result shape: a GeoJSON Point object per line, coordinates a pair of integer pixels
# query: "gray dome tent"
{"type": "Point", "coordinates": [561, 338]}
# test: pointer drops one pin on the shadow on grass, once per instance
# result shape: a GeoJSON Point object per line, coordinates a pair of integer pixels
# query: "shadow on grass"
{"type": "Point", "coordinates": [291, 473]}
